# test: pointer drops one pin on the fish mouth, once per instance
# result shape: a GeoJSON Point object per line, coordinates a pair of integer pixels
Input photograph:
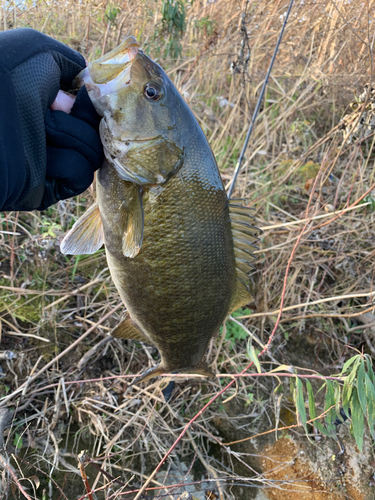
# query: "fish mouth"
{"type": "Point", "coordinates": [111, 71]}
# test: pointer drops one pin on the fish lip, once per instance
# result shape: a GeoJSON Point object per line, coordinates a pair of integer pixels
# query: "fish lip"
{"type": "Point", "coordinates": [122, 57]}
{"type": "Point", "coordinates": [129, 45]}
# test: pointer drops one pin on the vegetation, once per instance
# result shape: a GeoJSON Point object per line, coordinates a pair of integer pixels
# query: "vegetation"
{"type": "Point", "coordinates": [311, 181]}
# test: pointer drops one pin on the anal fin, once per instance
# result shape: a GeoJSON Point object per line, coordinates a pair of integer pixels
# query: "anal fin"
{"type": "Point", "coordinates": [127, 329]}
{"type": "Point", "coordinates": [241, 297]}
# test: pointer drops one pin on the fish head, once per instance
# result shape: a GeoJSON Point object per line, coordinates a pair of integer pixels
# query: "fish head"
{"type": "Point", "coordinates": [142, 114]}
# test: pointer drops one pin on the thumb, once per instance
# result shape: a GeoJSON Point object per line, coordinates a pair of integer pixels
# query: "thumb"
{"type": "Point", "coordinates": [63, 102]}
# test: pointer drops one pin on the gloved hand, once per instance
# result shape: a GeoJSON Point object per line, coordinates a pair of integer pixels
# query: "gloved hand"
{"type": "Point", "coordinates": [45, 155]}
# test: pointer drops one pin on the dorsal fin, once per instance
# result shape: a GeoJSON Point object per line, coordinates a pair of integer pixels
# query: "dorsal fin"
{"type": "Point", "coordinates": [244, 238]}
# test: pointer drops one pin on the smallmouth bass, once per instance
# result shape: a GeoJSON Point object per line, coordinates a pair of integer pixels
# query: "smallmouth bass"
{"type": "Point", "coordinates": [178, 250]}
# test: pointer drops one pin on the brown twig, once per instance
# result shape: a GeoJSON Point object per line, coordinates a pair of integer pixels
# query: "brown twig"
{"type": "Point", "coordinates": [59, 356]}
{"type": "Point", "coordinates": [39, 471]}
{"type": "Point", "coordinates": [279, 429]}
{"type": "Point", "coordinates": [15, 479]}
{"type": "Point", "coordinates": [82, 458]}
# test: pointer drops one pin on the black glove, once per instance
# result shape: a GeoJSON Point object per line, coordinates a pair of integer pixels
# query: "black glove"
{"type": "Point", "coordinates": [45, 155]}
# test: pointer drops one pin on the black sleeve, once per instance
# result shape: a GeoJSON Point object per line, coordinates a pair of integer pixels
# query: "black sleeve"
{"type": "Point", "coordinates": [12, 158]}
{"type": "Point", "coordinates": [33, 68]}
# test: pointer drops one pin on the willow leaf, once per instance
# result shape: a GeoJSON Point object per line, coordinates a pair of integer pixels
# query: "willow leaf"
{"type": "Point", "coordinates": [312, 410]}
{"type": "Point", "coordinates": [370, 394]}
{"type": "Point", "coordinates": [253, 355]}
{"type": "Point", "coordinates": [361, 391]}
{"type": "Point", "coordinates": [353, 373]}
{"type": "Point", "coordinates": [346, 395]}
{"type": "Point", "coordinates": [328, 403]}
{"type": "Point", "coordinates": [300, 404]}
{"type": "Point", "coordinates": [348, 363]}
{"type": "Point", "coordinates": [369, 369]}
{"type": "Point", "coordinates": [337, 397]}
{"type": "Point", "coordinates": [358, 419]}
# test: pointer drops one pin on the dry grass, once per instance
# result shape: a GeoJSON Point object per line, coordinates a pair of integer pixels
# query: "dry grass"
{"type": "Point", "coordinates": [60, 404]}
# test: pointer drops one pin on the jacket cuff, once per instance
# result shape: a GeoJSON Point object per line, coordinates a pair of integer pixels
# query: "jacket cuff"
{"type": "Point", "coordinates": [12, 156]}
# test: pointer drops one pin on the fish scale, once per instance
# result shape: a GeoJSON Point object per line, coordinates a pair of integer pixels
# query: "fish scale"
{"type": "Point", "coordinates": [178, 250]}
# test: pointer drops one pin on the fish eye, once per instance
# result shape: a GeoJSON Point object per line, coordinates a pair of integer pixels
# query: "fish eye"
{"type": "Point", "coordinates": [152, 91]}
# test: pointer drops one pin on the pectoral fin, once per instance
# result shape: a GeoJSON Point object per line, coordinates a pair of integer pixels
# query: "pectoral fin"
{"type": "Point", "coordinates": [133, 232]}
{"type": "Point", "coordinates": [127, 329]}
{"type": "Point", "coordinates": [86, 236]}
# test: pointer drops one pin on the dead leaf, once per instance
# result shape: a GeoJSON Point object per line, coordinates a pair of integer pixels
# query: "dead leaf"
{"type": "Point", "coordinates": [210, 495]}
{"type": "Point", "coordinates": [36, 481]}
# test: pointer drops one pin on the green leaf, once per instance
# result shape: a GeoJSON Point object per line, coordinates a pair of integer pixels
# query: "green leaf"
{"type": "Point", "coordinates": [242, 312]}
{"type": "Point", "coordinates": [348, 363]}
{"type": "Point", "coordinates": [357, 419]}
{"type": "Point", "coordinates": [312, 410]}
{"type": "Point", "coordinates": [249, 399]}
{"type": "Point", "coordinates": [328, 403]}
{"type": "Point", "coordinates": [283, 368]}
{"type": "Point", "coordinates": [353, 373]}
{"type": "Point", "coordinates": [369, 369]}
{"type": "Point", "coordinates": [253, 355]}
{"type": "Point", "coordinates": [17, 441]}
{"type": "Point", "coordinates": [346, 395]}
{"type": "Point", "coordinates": [337, 397]}
{"type": "Point", "coordinates": [235, 331]}
{"type": "Point", "coordinates": [349, 382]}
{"type": "Point", "coordinates": [300, 404]}
{"type": "Point", "coordinates": [370, 394]}
{"type": "Point", "coordinates": [292, 385]}
{"type": "Point", "coordinates": [361, 391]}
